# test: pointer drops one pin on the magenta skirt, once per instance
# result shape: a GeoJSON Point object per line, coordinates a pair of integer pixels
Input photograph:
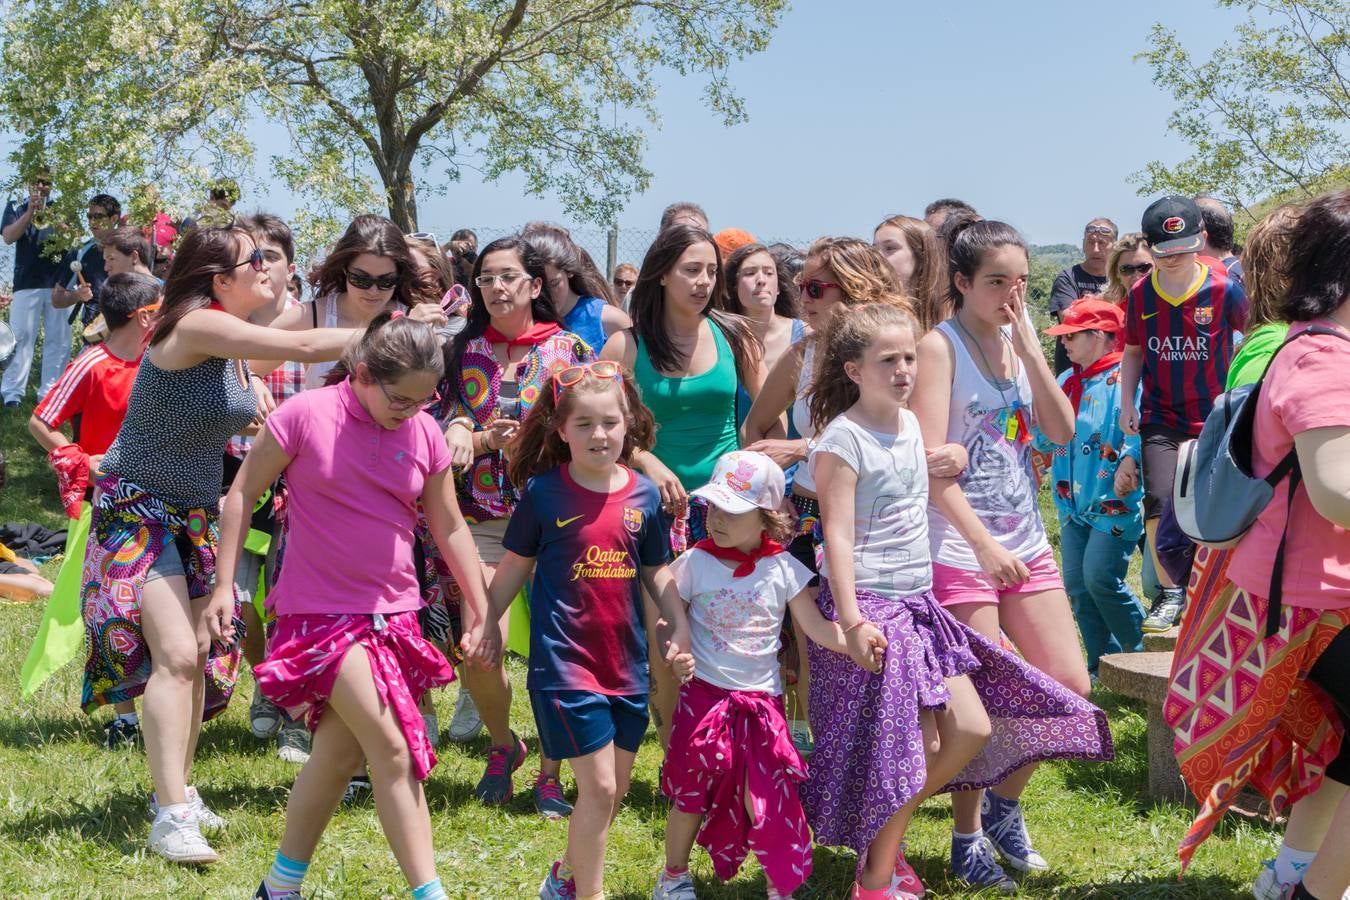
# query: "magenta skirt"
{"type": "Point", "coordinates": [305, 653]}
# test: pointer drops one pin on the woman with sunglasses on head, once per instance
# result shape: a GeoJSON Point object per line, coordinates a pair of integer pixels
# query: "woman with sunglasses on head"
{"type": "Point", "coordinates": [370, 270]}
{"type": "Point", "coordinates": [152, 548]}
{"type": "Point", "coordinates": [495, 370]}
{"type": "Point", "coordinates": [688, 359]}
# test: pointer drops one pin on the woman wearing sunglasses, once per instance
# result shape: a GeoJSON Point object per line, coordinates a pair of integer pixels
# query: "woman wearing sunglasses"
{"type": "Point", "coordinates": [151, 553]}
{"type": "Point", "coordinates": [495, 370]}
{"type": "Point", "coordinates": [688, 358]}
{"type": "Point", "coordinates": [1129, 262]}
{"type": "Point", "coordinates": [370, 270]}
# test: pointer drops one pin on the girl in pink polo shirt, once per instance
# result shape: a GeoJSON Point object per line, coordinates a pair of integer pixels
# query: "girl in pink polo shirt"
{"type": "Point", "coordinates": [347, 650]}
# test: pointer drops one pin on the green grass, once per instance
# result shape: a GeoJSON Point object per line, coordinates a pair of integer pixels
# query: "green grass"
{"type": "Point", "coordinates": [73, 817]}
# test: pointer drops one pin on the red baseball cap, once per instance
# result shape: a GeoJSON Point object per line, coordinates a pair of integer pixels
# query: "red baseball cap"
{"type": "Point", "coordinates": [1090, 314]}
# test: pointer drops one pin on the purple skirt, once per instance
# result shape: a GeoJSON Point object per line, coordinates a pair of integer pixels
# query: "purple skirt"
{"type": "Point", "coordinates": [869, 761]}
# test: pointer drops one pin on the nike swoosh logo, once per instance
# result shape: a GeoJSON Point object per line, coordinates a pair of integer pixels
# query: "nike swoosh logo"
{"type": "Point", "coordinates": [563, 523]}
{"type": "Point", "coordinates": [1147, 316]}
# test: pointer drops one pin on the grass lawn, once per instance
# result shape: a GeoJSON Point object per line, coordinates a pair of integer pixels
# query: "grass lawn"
{"type": "Point", "coordinates": [73, 819]}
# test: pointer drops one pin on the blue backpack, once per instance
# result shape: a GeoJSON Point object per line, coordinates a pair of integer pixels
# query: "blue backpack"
{"type": "Point", "coordinates": [1216, 495]}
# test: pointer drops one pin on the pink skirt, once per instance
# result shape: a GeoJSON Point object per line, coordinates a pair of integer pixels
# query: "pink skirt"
{"type": "Point", "coordinates": [305, 653]}
{"type": "Point", "coordinates": [727, 744]}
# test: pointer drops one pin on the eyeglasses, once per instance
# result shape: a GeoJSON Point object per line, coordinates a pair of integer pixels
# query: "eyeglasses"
{"type": "Point", "coordinates": [1136, 268]}
{"type": "Point", "coordinates": [402, 405]}
{"type": "Point", "coordinates": [365, 282]}
{"type": "Point", "coordinates": [507, 279]}
{"type": "Point", "coordinates": [423, 236]}
{"type": "Point", "coordinates": [573, 375]}
{"type": "Point", "coordinates": [815, 289]}
{"type": "Point", "coordinates": [254, 261]}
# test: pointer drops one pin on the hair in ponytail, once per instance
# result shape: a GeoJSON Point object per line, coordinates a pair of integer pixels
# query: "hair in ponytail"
{"type": "Point", "coordinates": [969, 242]}
{"type": "Point", "coordinates": [391, 347]}
{"type": "Point", "coordinates": [847, 336]}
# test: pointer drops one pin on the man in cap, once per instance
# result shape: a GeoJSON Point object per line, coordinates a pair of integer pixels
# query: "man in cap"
{"type": "Point", "coordinates": [1179, 326]}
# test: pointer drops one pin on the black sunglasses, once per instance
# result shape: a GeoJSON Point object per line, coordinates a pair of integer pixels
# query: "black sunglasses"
{"type": "Point", "coordinates": [366, 282]}
{"type": "Point", "coordinates": [254, 261]}
{"type": "Point", "coordinates": [1136, 269]}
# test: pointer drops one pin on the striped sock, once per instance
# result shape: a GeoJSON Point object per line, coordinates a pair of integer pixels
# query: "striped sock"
{"type": "Point", "coordinates": [432, 890]}
{"type": "Point", "coordinates": [285, 876]}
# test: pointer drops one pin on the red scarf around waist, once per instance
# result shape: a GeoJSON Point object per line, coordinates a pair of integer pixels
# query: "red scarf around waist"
{"type": "Point", "coordinates": [531, 336]}
{"type": "Point", "coordinates": [1073, 385]}
{"type": "Point", "coordinates": [745, 560]}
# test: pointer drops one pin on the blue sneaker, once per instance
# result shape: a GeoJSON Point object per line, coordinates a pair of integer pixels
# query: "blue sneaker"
{"type": "Point", "coordinates": [549, 799]}
{"type": "Point", "coordinates": [495, 788]}
{"type": "Point", "coordinates": [973, 862]}
{"type": "Point", "coordinates": [1007, 831]}
{"type": "Point", "coordinates": [555, 887]}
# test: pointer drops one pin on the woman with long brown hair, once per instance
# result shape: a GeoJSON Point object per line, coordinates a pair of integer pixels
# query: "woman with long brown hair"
{"type": "Point", "coordinates": [369, 270]}
{"type": "Point", "coordinates": [152, 550]}
{"type": "Point", "coordinates": [915, 252]}
{"type": "Point", "coordinates": [688, 358]}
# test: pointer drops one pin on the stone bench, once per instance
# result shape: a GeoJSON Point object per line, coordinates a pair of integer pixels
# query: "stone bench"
{"type": "Point", "coordinates": [1144, 676]}
{"type": "Point", "coordinates": [1163, 641]}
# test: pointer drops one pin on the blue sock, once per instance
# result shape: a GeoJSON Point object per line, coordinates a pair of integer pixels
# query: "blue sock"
{"type": "Point", "coordinates": [285, 875]}
{"type": "Point", "coordinates": [432, 890]}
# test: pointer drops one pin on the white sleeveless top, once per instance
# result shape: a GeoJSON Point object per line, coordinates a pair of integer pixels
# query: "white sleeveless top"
{"type": "Point", "coordinates": [999, 481]}
{"type": "Point", "coordinates": [801, 411]}
{"type": "Point", "coordinates": [315, 373]}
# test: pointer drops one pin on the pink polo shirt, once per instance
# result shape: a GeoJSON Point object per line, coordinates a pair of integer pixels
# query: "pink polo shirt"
{"type": "Point", "coordinates": [353, 488]}
{"type": "Point", "coordinates": [1305, 388]}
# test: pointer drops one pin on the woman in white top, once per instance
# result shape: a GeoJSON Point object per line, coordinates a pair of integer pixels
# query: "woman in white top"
{"type": "Point", "coordinates": [983, 382]}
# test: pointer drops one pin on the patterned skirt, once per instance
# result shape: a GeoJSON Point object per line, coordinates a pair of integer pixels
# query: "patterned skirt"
{"type": "Point", "coordinates": [129, 529]}
{"type": "Point", "coordinates": [1239, 703]}
{"type": "Point", "coordinates": [869, 759]}
{"type": "Point", "coordinates": [305, 652]}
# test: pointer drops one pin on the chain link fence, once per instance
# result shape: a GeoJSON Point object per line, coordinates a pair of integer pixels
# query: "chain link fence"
{"type": "Point", "coordinates": [608, 248]}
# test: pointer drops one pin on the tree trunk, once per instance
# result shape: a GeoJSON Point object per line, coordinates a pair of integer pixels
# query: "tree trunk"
{"type": "Point", "coordinates": [402, 195]}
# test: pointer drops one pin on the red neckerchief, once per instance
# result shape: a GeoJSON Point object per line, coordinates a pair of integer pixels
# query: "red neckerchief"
{"type": "Point", "coordinates": [747, 561]}
{"type": "Point", "coordinates": [1073, 385]}
{"type": "Point", "coordinates": [531, 336]}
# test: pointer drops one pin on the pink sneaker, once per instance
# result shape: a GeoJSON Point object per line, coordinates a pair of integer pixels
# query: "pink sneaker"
{"type": "Point", "coordinates": [905, 878]}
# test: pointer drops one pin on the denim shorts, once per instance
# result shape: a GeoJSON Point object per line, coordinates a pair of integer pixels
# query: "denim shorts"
{"type": "Point", "coordinates": [168, 564]}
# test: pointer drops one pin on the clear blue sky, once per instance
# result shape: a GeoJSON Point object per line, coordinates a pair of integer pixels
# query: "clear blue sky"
{"type": "Point", "coordinates": [1033, 112]}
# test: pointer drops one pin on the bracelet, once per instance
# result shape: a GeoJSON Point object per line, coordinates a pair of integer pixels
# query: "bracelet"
{"type": "Point", "coordinates": [855, 626]}
{"type": "Point", "coordinates": [461, 420]}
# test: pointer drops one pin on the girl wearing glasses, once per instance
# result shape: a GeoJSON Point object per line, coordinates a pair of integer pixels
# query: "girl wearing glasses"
{"type": "Point", "coordinates": [688, 359]}
{"type": "Point", "coordinates": [362, 464]}
{"type": "Point", "coordinates": [496, 370]}
{"type": "Point", "coordinates": [370, 270]}
{"type": "Point", "coordinates": [993, 567]}
{"type": "Point", "coordinates": [590, 530]}
{"type": "Point", "coordinates": [152, 547]}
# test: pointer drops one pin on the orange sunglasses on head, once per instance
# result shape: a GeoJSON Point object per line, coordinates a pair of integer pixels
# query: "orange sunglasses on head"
{"type": "Point", "coordinates": [572, 375]}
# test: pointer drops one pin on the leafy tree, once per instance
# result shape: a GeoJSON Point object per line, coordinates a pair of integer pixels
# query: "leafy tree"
{"type": "Point", "coordinates": [1268, 113]}
{"type": "Point", "coordinates": [374, 94]}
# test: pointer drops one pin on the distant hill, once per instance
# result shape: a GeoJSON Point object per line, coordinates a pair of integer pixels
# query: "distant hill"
{"type": "Point", "coordinates": [1063, 254]}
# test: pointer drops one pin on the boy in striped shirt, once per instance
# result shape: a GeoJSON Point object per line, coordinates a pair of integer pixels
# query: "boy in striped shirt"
{"type": "Point", "coordinates": [1179, 328]}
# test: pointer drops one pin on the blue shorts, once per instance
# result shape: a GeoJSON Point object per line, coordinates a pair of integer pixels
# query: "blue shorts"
{"type": "Point", "coordinates": [575, 723]}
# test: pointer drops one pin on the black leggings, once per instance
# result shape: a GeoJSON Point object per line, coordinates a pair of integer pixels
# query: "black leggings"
{"type": "Point", "coordinates": [1331, 673]}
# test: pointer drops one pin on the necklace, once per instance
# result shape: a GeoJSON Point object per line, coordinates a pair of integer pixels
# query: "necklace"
{"type": "Point", "coordinates": [1010, 416]}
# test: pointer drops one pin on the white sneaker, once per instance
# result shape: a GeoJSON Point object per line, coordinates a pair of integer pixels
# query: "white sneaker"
{"type": "Point", "coordinates": [178, 839]}
{"type": "Point", "coordinates": [205, 817]}
{"type": "Point", "coordinates": [433, 727]}
{"type": "Point", "coordinates": [466, 724]}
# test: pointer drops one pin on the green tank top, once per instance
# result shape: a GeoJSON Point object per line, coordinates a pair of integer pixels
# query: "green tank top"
{"type": "Point", "coordinates": [695, 416]}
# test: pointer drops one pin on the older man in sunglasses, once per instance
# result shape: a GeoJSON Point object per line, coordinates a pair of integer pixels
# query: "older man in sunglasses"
{"type": "Point", "coordinates": [1087, 278]}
